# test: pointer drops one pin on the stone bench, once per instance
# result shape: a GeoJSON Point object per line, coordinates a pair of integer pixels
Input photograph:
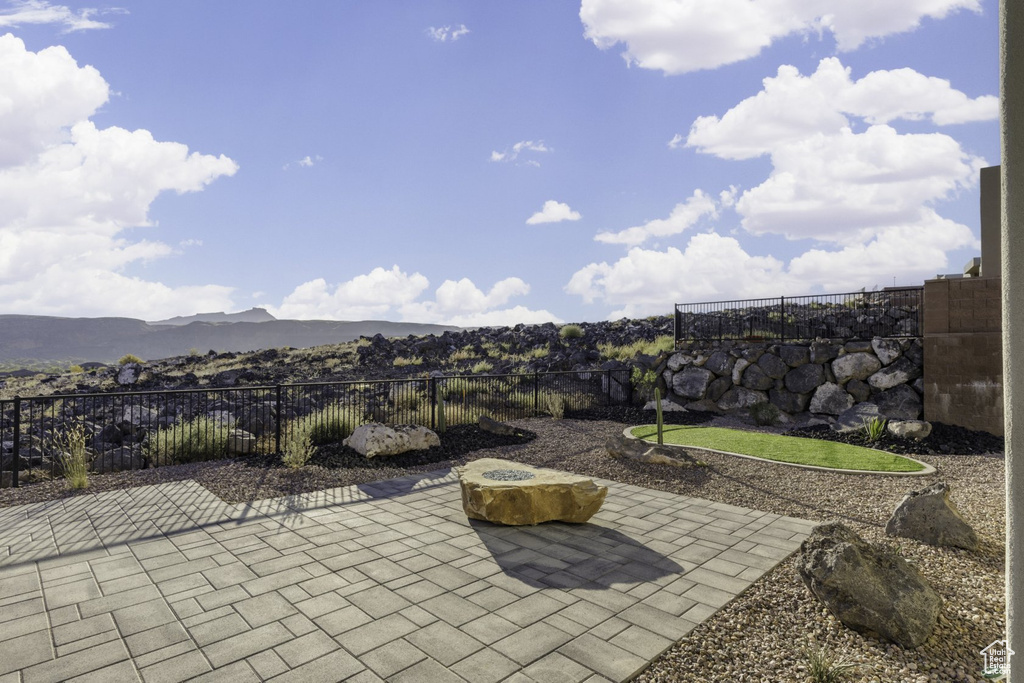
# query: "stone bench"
{"type": "Point", "coordinates": [507, 492]}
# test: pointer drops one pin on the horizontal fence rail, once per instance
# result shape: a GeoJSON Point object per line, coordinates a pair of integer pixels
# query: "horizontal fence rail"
{"type": "Point", "coordinates": [892, 312]}
{"type": "Point", "coordinates": [137, 430]}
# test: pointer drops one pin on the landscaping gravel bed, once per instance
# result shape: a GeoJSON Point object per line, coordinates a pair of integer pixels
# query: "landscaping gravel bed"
{"type": "Point", "coordinates": [762, 635]}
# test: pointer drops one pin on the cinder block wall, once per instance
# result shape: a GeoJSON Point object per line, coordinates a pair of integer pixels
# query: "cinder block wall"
{"type": "Point", "coordinates": [963, 362]}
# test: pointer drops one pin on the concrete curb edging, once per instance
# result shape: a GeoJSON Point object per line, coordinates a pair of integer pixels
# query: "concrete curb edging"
{"type": "Point", "coordinates": [928, 469]}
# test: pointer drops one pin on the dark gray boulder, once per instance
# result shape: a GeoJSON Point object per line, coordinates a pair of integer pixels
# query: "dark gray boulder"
{"type": "Point", "coordinates": [830, 399]}
{"type": "Point", "coordinates": [869, 589]}
{"type": "Point", "coordinates": [854, 418]}
{"type": "Point", "coordinates": [901, 371]}
{"type": "Point", "coordinates": [755, 378]}
{"type": "Point", "coordinates": [899, 403]}
{"type": "Point", "coordinates": [773, 366]}
{"type": "Point", "coordinates": [860, 390]}
{"type": "Point", "coordinates": [823, 351]}
{"type": "Point", "coordinates": [692, 382]}
{"type": "Point", "coordinates": [494, 427]}
{"type": "Point", "coordinates": [739, 398]}
{"type": "Point", "coordinates": [805, 379]}
{"type": "Point", "coordinates": [795, 356]}
{"type": "Point", "coordinates": [719, 387]}
{"type": "Point", "coordinates": [887, 350]}
{"type": "Point", "coordinates": [929, 516]}
{"type": "Point", "coordinates": [855, 366]}
{"type": "Point", "coordinates": [788, 401]}
{"type": "Point", "coordinates": [720, 363]}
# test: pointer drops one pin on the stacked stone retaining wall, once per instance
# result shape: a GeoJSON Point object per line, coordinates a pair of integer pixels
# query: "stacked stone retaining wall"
{"type": "Point", "coordinates": [802, 379]}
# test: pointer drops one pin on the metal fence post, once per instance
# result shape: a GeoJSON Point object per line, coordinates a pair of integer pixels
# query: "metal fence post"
{"type": "Point", "coordinates": [432, 393]}
{"type": "Point", "coordinates": [782, 318]}
{"type": "Point", "coordinates": [536, 392]}
{"type": "Point", "coordinates": [15, 465]}
{"type": "Point", "coordinates": [277, 422]}
{"type": "Point", "coordinates": [608, 392]}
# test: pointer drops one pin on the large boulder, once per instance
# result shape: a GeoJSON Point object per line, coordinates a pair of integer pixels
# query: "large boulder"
{"type": "Point", "coordinates": [720, 363]}
{"type": "Point", "coordinates": [692, 382]}
{"type": "Point", "coordinates": [374, 439]}
{"type": "Point", "coordinates": [678, 361]}
{"type": "Point", "coordinates": [830, 399]}
{"type": "Point", "coordinates": [859, 389]}
{"type": "Point", "coordinates": [719, 387]}
{"type": "Point", "coordinates": [887, 350]}
{"type": "Point", "coordinates": [855, 366]}
{"type": "Point", "coordinates": [757, 379]}
{"type": "Point", "coordinates": [241, 442]}
{"type": "Point", "coordinates": [511, 493]}
{"type": "Point", "coordinates": [788, 401]}
{"type": "Point", "coordinates": [868, 588]}
{"type": "Point", "coordinates": [737, 370]}
{"type": "Point", "coordinates": [773, 366]}
{"type": "Point", "coordinates": [805, 378]}
{"type": "Point", "coordinates": [739, 398]}
{"type": "Point", "coordinates": [901, 371]}
{"type": "Point", "coordinates": [899, 403]}
{"type": "Point", "coordinates": [854, 418]}
{"type": "Point", "coordinates": [494, 427]}
{"type": "Point", "coordinates": [119, 460]}
{"type": "Point", "coordinates": [128, 374]}
{"type": "Point", "coordinates": [823, 351]}
{"type": "Point", "coordinates": [929, 516]}
{"type": "Point", "coordinates": [910, 429]}
{"type": "Point", "coordinates": [624, 448]}
{"type": "Point", "coordinates": [795, 356]}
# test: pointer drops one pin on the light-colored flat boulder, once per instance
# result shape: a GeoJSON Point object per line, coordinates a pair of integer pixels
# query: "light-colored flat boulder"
{"type": "Point", "coordinates": [507, 492]}
{"type": "Point", "coordinates": [376, 439]}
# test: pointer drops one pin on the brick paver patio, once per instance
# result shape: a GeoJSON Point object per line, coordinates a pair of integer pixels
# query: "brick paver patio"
{"type": "Point", "coordinates": [386, 581]}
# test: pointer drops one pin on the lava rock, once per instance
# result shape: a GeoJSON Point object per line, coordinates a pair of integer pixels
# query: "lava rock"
{"type": "Point", "coordinates": [929, 516]}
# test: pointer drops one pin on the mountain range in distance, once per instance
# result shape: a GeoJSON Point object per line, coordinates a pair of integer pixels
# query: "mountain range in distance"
{"type": "Point", "coordinates": [105, 340]}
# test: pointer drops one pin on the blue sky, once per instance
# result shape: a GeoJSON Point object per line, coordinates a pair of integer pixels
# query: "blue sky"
{"type": "Point", "coordinates": [485, 163]}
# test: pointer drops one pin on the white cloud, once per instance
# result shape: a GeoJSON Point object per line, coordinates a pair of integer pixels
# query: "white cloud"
{"type": "Point", "coordinates": [683, 216]}
{"type": "Point", "coordinates": [305, 162]}
{"type": "Point", "coordinates": [443, 34]}
{"type": "Point", "coordinates": [553, 212]}
{"type": "Point", "coordinates": [677, 36]}
{"type": "Point", "coordinates": [512, 154]}
{"type": "Point", "coordinates": [69, 191]}
{"type": "Point", "coordinates": [37, 12]}
{"type": "Point", "coordinates": [677, 142]}
{"type": "Point", "coordinates": [394, 294]}
{"type": "Point", "coordinates": [792, 107]}
{"type": "Point", "coordinates": [190, 243]}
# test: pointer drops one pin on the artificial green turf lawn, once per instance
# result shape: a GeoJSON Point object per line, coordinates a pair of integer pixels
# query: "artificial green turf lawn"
{"type": "Point", "coordinates": [781, 448]}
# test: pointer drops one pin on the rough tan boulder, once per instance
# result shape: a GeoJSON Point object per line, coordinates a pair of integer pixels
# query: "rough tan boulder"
{"type": "Point", "coordinates": [510, 493]}
{"type": "Point", "coordinates": [625, 448]}
{"type": "Point", "coordinates": [376, 439]}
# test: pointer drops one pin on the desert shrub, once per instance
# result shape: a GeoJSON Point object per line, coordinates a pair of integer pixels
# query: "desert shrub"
{"type": "Point", "coordinates": [76, 370]}
{"type": "Point", "coordinates": [764, 413]}
{"type": "Point", "coordinates": [630, 351]}
{"type": "Point", "coordinates": [73, 458]}
{"type": "Point", "coordinates": [482, 367]}
{"type": "Point", "coordinates": [570, 332]}
{"type": "Point", "coordinates": [198, 439]}
{"type": "Point", "coordinates": [297, 444]}
{"type": "Point", "coordinates": [465, 353]}
{"type": "Point", "coordinates": [129, 358]}
{"type": "Point", "coordinates": [330, 424]}
{"type": "Point", "coordinates": [822, 667]}
{"type": "Point", "coordinates": [404, 361]}
{"type": "Point", "coordinates": [644, 381]}
{"type": "Point", "coordinates": [554, 404]}
{"type": "Point", "coordinates": [874, 429]}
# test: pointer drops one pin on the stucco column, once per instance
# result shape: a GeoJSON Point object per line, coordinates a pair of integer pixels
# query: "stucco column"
{"type": "Point", "coordinates": [1011, 58]}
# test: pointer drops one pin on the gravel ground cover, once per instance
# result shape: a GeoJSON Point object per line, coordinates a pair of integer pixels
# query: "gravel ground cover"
{"type": "Point", "coordinates": [764, 635]}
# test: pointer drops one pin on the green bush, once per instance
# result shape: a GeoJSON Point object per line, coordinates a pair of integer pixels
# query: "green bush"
{"type": "Point", "coordinates": [330, 424]}
{"type": "Point", "coordinates": [570, 332]}
{"type": "Point", "coordinates": [201, 438]}
{"type": "Point", "coordinates": [874, 429]}
{"type": "Point", "coordinates": [297, 444]}
{"type": "Point", "coordinates": [76, 370]}
{"type": "Point", "coordinates": [644, 382]}
{"type": "Point", "coordinates": [129, 358]}
{"type": "Point", "coordinates": [73, 457]}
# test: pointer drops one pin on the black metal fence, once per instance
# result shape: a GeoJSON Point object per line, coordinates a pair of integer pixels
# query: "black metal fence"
{"type": "Point", "coordinates": [135, 430]}
{"type": "Point", "coordinates": [892, 312]}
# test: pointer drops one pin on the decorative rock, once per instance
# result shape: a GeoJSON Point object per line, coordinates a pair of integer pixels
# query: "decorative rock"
{"type": "Point", "coordinates": [899, 403]}
{"type": "Point", "coordinates": [861, 391]}
{"type": "Point", "coordinates": [494, 427]}
{"type": "Point", "coordinates": [241, 442]}
{"type": "Point", "coordinates": [634, 449]}
{"type": "Point", "coordinates": [887, 350]}
{"type": "Point", "coordinates": [930, 517]}
{"type": "Point", "coordinates": [831, 399]}
{"type": "Point", "coordinates": [678, 361]}
{"type": "Point", "coordinates": [899, 372]}
{"type": "Point", "coordinates": [703, 406]}
{"type": "Point", "coordinates": [788, 401]}
{"type": "Point", "coordinates": [720, 363]}
{"type": "Point", "coordinates": [757, 379]}
{"type": "Point", "coordinates": [119, 460]}
{"type": "Point", "coordinates": [692, 382]}
{"type": "Point", "coordinates": [857, 346]}
{"type": "Point", "coordinates": [910, 429]}
{"type": "Point", "coordinates": [718, 387]}
{"type": "Point", "coordinates": [868, 588]}
{"type": "Point", "coordinates": [737, 370]}
{"type": "Point", "coordinates": [795, 356]}
{"type": "Point", "coordinates": [823, 352]}
{"type": "Point", "coordinates": [805, 379]}
{"type": "Point", "coordinates": [375, 439]}
{"type": "Point", "coordinates": [666, 406]}
{"type": "Point", "coordinates": [773, 366]}
{"type": "Point", "coordinates": [855, 366]}
{"type": "Point", "coordinates": [853, 419]}
{"type": "Point", "coordinates": [547, 496]}
{"type": "Point", "coordinates": [738, 398]}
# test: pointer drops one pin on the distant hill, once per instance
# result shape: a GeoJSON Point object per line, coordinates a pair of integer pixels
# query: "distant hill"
{"type": "Point", "coordinates": [253, 315]}
{"type": "Point", "coordinates": [107, 339]}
